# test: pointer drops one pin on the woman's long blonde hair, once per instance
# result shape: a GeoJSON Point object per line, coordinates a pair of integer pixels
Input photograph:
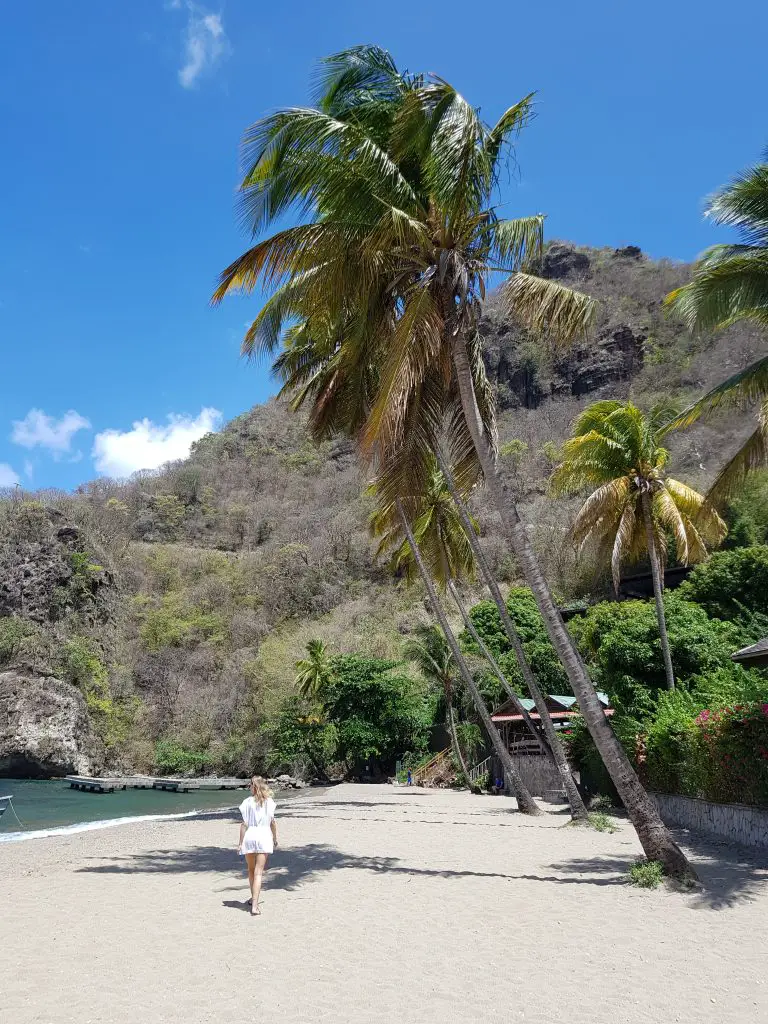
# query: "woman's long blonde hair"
{"type": "Point", "coordinates": [260, 790]}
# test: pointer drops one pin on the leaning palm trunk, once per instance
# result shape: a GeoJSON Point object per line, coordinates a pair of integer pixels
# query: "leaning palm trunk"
{"type": "Point", "coordinates": [496, 668]}
{"type": "Point", "coordinates": [554, 747]}
{"type": "Point", "coordinates": [653, 834]}
{"type": "Point", "coordinates": [653, 555]}
{"type": "Point", "coordinates": [455, 743]}
{"type": "Point", "coordinates": [525, 801]}
{"type": "Point", "coordinates": [551, 746]}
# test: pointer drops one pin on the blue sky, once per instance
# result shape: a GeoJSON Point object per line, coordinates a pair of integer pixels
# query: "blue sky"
{"type": "Point", "coordinates": [120, 124]}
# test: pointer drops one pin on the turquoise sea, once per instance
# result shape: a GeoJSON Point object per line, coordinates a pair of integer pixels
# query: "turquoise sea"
{"type": "Point", "coordinates": [42, 806]}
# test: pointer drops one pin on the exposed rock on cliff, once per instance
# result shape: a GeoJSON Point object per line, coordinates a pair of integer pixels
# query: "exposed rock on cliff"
{"type": "Point", "coordinates": [525, 376]}
{"type": "Point", "coordinates": [46, 573]}
{"type": "Point", "coordinates": [44, 728]}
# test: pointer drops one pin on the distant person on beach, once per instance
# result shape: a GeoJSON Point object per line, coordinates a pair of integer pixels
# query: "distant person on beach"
{"type": "Point", "coordinates": [410, 778]}
{"type": "Point", "coordinates": [258, 835]}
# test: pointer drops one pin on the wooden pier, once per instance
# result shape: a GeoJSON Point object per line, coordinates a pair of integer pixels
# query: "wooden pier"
{"type": "Point", "coordinates": [97, 784]}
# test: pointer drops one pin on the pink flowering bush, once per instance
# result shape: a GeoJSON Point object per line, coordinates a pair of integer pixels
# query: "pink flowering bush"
{"type": "Point", "coordinates": [718, 754]}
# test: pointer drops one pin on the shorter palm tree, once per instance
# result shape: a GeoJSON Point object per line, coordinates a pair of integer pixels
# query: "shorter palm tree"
{"type": "Point", "coordinates": [429, 650]}
{"type": "Point", "coordinates": [616, 448]}
{"type": "Point", "coordinates": [730, 284]}
{"type": "Point", "coordinates": [438, 532]}
{"type": "Point", "coordinates": [314, 672]}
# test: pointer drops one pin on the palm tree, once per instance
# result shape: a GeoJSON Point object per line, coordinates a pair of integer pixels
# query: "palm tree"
{"type": "Point", "coordinates": [446, 533]}
{"type": "Point", "coordinates": [553, 746]}
{"type": "Point", "coordinates": [377, 295]}
{"type": "Point", "coordinates": [616, 448]}
{"type": "Point", "coordinates": [730, 284]}
{"type": "Point", "coordinates": [314, 672]}
{"type": "Point", "coordinates": [437, 530]}
{"type": "Point", "coordinates": [429, 650]}
{"type": "Point", "coordinates": [525, 801]}
{"type": "Point", "coordinates": [433, 530]}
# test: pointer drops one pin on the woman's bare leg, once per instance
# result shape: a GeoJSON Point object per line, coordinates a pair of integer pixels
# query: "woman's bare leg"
{"type": "Point", "coordinates": [258, 873]}
{"type": "Point", "coordinates": [250, 860]}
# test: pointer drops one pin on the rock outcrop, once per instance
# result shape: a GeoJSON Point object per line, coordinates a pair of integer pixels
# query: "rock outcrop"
{"type": "Point", "coordinates": [523, 379]}
{"type": "Point", "coordinates": [44, 728]}
{"type": "Point", "coordinates": [49, 574]}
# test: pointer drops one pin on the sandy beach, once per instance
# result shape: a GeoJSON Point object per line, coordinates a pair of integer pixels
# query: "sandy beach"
{"type": "Point", "coordinates": [382, 905]}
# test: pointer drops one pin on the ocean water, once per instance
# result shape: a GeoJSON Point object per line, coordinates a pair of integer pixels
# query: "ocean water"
{"type": "Point", "coordinates": [52, 805]}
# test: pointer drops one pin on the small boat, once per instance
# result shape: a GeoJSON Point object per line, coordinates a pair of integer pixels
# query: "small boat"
{"type": "Point", "coordinates": [5, 803]}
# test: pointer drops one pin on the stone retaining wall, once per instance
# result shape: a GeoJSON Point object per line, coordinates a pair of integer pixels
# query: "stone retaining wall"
{"type": "Point", "coordinates": [735, 822]}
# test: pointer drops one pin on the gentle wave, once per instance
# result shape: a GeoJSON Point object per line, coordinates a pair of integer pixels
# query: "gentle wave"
{"type": "Point", "coordinates": [91, 826]}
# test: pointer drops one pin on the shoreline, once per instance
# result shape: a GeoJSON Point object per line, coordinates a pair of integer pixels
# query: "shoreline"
{"type": "Point", "coordinates": [96, 826]}
{"type": "Point", "coordinates": [122, 820]}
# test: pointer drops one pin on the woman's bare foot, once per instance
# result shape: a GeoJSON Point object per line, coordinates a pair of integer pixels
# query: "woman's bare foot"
{"type": "Point", "coordinates": [255, 911]}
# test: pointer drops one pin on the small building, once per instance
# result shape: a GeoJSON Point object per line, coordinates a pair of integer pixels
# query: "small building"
{"type": "Point", "coordinates": [640, 586]}
{"type": "Point", "coordinates": [755, 656]}
{"type": "Point", "coordinates": [514, 731]}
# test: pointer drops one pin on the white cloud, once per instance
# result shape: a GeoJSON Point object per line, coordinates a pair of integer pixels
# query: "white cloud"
{"type": "Point", "coordinates": [149, 445]}
{"type": "Point", "coordinates": [29, 469]}
{"type": "Point", "coordinates": [39, 430]}
{"type": "Point", "coordinates": [205, 43]}
{"type": "Point", "coordinates": [8, 477]}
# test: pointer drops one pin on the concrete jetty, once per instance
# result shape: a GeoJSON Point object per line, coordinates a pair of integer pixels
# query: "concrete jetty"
{"type": "Point", "coordinates": [109, 784]}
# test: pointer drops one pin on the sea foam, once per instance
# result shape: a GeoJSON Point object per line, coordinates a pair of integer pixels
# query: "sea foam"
{"type": "Point", "coordinates": [92, 826]}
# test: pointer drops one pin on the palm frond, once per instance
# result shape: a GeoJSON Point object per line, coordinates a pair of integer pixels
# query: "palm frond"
{"type": "Point", "coordinates": [519, 243]}
{"type": "Point", "coordinates": [511, 122]}
{"type": "Point", "coordinates": [549, 308]}
{"type": "Point", "coordinates": [739, 391]}
{"type": "Point", "coordinates": [667, 514]}
{"type": "Point", "coordinates": [743, 204]}
{"type": "Point", "coordinates": [623, 542]}
{"type": "Point", "coordinates": [752, 455]}
{"type": "Point", "coordinates": [602, 510]}
{"type": "Point", "coordinates": [354, 76]}
{"type": "Point", "coordinates": [730, 283]}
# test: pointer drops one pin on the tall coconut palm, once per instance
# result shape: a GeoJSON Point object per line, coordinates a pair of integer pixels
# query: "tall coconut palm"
{"type": "Point", "coordinates": [378, 293]}
{"type": "Point", "coordinates": [730, 284]}
{"type": "Point", "coordinates": [314, 672]}
{"type": "Point", "coordinates": [617, 449]}
{"type": "Point", "coordinates": [429, 650]}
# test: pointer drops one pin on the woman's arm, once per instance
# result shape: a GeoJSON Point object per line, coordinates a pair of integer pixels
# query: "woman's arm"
{"type": "Point", "coordinates": [273, 826]}
{"type": "Point", "coordinates": [242, 834]}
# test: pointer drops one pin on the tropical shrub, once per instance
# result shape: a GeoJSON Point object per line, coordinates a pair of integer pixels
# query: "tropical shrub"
{"type": "Point", "coordinates": [539, 652]}
{"type": "Point", "coordinates": [377, 714]}
{"type": "Point", "coordinates": [303, 741]}
{"type": "Point", "coordinates": [14, 632]}
{"type": "Point", "coordinates": [719, 755]}
{"type": "Point", "coordinates": [172, 758]}
{"type": "Point", "coordinates": [369, 717]}
{"type": "Point", "coordinates": [732, 584]}
{"type": "Point", "coordinates": [620, 641]}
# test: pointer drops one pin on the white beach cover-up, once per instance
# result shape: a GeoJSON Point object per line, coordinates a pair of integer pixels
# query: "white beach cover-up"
{"type": "Point", "coordinates": [258, 818]}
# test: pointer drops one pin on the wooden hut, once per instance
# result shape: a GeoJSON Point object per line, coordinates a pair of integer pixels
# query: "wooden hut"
{"type": "Point", "coordinates": [514, 731]}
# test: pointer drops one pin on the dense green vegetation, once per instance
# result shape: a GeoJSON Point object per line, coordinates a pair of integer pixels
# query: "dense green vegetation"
{"type": "Point", "coordinates": [361, 718]}
{"type": "Point", "coordinates": [708, 738]}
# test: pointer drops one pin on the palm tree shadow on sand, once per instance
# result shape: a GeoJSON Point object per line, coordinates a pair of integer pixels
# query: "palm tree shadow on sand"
{"type": "Point", "coordinates": [729, 876]}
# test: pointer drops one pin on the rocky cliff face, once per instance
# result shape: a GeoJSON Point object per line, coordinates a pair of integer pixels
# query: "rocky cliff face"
{"type": "Point", "coordinates": [525, 376]}
{"type": "Point", "coordinates": [46, 572]}
{"type": "Point", "coordinates": [44, 728]}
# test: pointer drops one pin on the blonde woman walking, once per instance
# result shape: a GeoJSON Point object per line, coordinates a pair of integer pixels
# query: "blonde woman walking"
{"type": "Point", "coordinates": [258, 835]}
